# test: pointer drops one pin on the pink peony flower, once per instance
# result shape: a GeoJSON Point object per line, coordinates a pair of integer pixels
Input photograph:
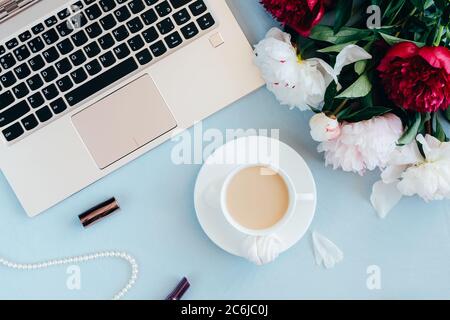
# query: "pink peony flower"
{"type": "Point", "coordinates": [363, 145]}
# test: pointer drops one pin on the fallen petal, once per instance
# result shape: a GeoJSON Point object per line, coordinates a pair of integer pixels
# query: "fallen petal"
{"type": "Point", "coordinates": [385, 196]}
{"type": "Point", "coordinates": [325, 251]}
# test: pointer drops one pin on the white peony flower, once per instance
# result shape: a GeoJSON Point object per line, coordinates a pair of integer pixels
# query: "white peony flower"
{"type": "Point", "coordinates": [326, 252]}
{"type": "Point", "coordinates": [295, 82]}
{"type": "Point", "coordinates": [409, 173]}
{"type": "Point", "coordinates": [363, 145]}
{"type": "Point", "coordinates": [324, 128]}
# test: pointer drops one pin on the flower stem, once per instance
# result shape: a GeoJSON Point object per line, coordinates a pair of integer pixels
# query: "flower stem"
{"type": "Point", "coordinates": [437, 40]}
{"type": "Point", "coordinates": [340, 107]}
{"type": "Point", "coordinates": [428, 126]}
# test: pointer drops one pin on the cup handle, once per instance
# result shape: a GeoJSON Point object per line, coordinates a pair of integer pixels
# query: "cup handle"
{"type": "Point", "coordinates": [305, 197]}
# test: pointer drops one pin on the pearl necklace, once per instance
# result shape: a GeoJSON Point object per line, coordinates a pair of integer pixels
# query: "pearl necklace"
{"type": "Point", "coordinates": [80, 259]}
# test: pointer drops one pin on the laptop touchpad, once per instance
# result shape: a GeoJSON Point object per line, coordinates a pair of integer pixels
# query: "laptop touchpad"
{"type": "Point", "coordinates": [124, 121]}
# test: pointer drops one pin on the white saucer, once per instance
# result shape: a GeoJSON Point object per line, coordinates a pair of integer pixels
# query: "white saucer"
{"type": "Point", "coordinates": [214, 171]}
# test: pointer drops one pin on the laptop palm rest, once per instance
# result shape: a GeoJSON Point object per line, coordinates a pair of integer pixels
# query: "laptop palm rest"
{"type": "Point", "coordinates": [124, 121]}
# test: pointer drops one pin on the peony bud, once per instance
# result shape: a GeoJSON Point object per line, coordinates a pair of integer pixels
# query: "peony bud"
{"type": "Point", "coordinates": [324, 128]}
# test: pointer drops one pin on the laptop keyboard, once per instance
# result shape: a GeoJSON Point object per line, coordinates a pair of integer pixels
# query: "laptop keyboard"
{"type": "Point", "coordinates": [85, 47]}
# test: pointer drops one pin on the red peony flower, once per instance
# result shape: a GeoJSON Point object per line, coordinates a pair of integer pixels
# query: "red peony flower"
{"type": "Point", "coordinates": [300, 15]}
{"type": "Point", "coordinates": [417, 78]}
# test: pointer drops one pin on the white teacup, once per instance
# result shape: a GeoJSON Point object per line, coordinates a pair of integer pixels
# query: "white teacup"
{"type": "Point", "coordinates": [294, 197]}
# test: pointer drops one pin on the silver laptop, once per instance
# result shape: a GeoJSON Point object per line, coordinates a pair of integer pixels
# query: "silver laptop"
{"type": "Point", "coordinates": [87, 86]}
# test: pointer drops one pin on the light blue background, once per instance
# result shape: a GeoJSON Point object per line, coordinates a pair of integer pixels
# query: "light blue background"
{"type": "Point", "coordinates": [159, 227]}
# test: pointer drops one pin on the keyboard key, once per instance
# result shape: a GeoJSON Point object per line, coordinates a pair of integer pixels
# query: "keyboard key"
{"type": "Point", "coordinates": [78, 75]}
{"type": "Point", "coordinates": [93, 12]}
{"type": "Point", "coordinates": [149, 17]}
{"type": "Point", "coordinates": [163, 9]}
{"type": "Point", "coordinates": [50, 92]}
{"type": "Point", "coordinates": [25, 36]}
{"type": "Point", "coordinates": [64, 84]}
{"type": "Point", "coordinates": [189, 31]}
{"type": "Point", "coordinates": [121, 51]}
{"type": "Point", "coordinates": [135, 25]}
{"type": "Point", "coordinates": [107, 59]}
{"type": "Point", "coordinates": [13, 132]}
{"type": "Point", "coordinates": [136, 6]}
{"type": "Point", "coordinates": [150, 2]}
{"type": "Point", "coordinates": [20, 90]}
{"type": "Point", "coordinates": [35, 82]}
{"type": "Point", "coordinates": [58, 106]}
{"type": "Point", "coordinates": [36, 45]}
{"type": "Point", "coordinates": [106, 41]}
{"type": "Point", "coordinates": [30, 122]}
{"type": "Point", "coordinates": [8, 79]}
{"type": "Point", "coordinates": [65, 46]}
{"type": "Point", "coordinates": [22, 53]}
{"type": "Point", "coordinates": [198, 7]}
{"type": "Point", "coordinates": [63, 14]}
{"type": "Point", "coordinates": [165, 26]}
{"type": "Point", "coordinates": [63, 66]}
{"type": "Point", "coordinates": [121, 33]}
{"type": "Point", "coordinates": [50, 55]}
{"type": "Point", "coordinates": [78, 20]}
{"type": "Point", "coordinates": [150, 34]}
{"type": "Point", "coordinates": [136, 43]}
{"type": "Point", "coordinates": [158, 49]}
{"type": "Point", "coordinates": [38, 28]}
{"type": "Point", "coordinates": [101, 81]}
{"type": "Point", "coordinates": [44, 114]}
{"type": "Point", "coordinates": [179, 3]}
{"type": "Point", "coordinates": [13, 113]}
{"type": "Point", "coordinates": [77, 58]}
{"type": "Point", "coordinates": [122, 14]}
{"type": "Point", "coordinates": [50, 36]}
{"type": "Point", "coordinates": [94, 30]}
{"type": "Point", "coordinates": [206, 21]}
{"type": "Point", "coordinates": [181, 17]}
{"type": "Point", "coordinates": [77, 6]}
{"type": "Point", "coordinates": [22, 71]}
{"type": "Point", "coordinates": [108, 22]}
{"type": "Point", "coordinates": [11, 44]}
{"type": "Point", "coordinates": [51, 21]}
{"type": "Point", "coordinates": [36, 63]}
{"type": "Point", "coordinates": [7, 61]}
{"type": "Point", "coordinates": [64, 28]}
{"type": "Point", "coordinates": [173, 40]}
{"type": "Point", "coordinates": [92, 49]}
{"type": "Point", "coordinates": [88, 2]}
{"type": "Point", "coordinates": [144, 57]}
{"type": "Point", "coordinates": [107, 5]}
{"type": "Point", "coordinates": [2, 50]}
{"type": "Point", "coordinates": [49, 74]}
{"type": "Point", "coordinates": [93, 67]}
{"type": "Point", "coordinates": [6, 99]}
{"type": "Point", "coordinates": [79, 38]}
{"type": "Point", "coordinates": [36, 100]}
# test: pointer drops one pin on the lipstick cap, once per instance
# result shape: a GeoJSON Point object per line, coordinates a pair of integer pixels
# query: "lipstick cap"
{"type": "Point", "coordinates": [98, 212]}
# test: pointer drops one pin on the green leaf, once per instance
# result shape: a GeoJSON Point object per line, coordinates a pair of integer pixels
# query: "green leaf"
{"type": "Point", "coordinates": [330, 93]}
{"type": "Point", "coordinates": [438, 131]}
{"type": "Point", "coordinates": [411, 133]}
{"type": "Point", "coordinates": [419, 4]}
{"type": "Point", "coordinates": [360, 66]}
{"type": "Point", "coordinates": [391, 40]}
{"type": "Point", "coordinates": [343, 14]}
{"type": "Point", "coordinates": [360, 88]}
{"type": "Point", "coordinates": [447, 114]}
{"type": "Point", "coordinates": [336, 47]}
{"type": "Point", "coordinates": [364, 114]}
{"type": "Point", "coordinates": [346, 34]}
{"type": "Point", "coordinates": [393, 9]}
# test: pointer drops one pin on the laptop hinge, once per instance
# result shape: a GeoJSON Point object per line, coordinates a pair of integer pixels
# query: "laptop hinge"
{"type": "Point", "coordinates": [10, 7]}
